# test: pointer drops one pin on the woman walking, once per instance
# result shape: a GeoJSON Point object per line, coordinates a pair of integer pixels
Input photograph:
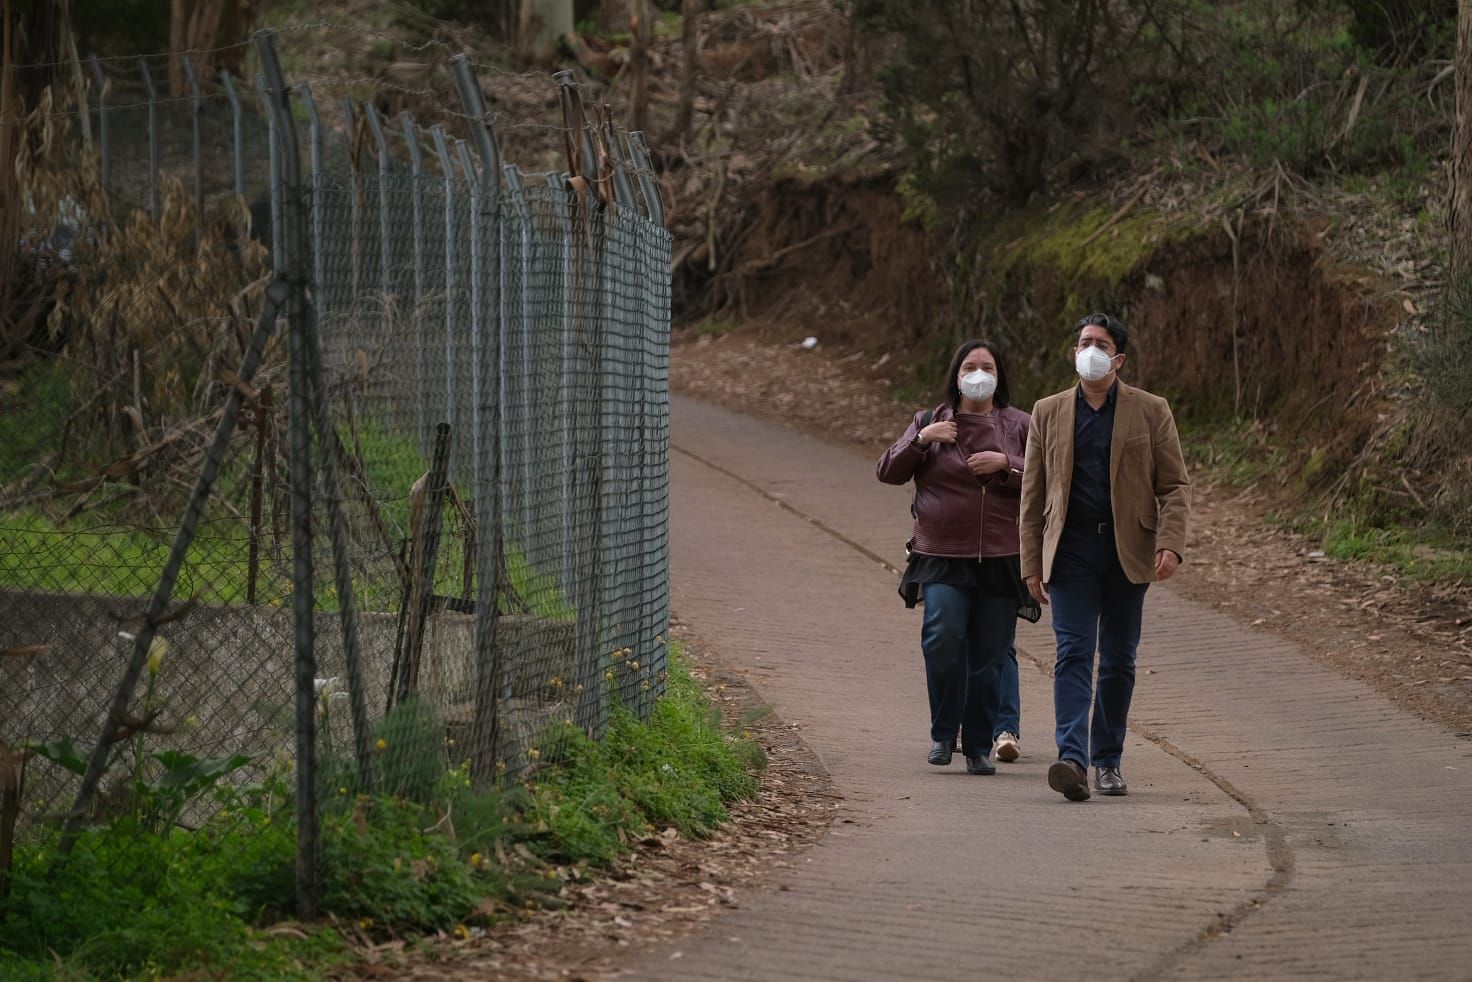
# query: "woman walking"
{"type": "Point", "coordinates": [966, 458]}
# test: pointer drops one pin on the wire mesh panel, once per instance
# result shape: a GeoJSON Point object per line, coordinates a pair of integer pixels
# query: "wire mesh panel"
{"type": "Point", "coordinates": [493, 361]}
{"type": "Point", "coordinates": [459, 373]}
{"type": "Point", "coordinates": [580, 452]}
{"type": "Point", "coordinates": [104, 435]}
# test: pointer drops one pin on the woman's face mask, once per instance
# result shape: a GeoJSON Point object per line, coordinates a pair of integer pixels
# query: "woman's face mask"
{"type": "Point", "coordinates": [978, 385]}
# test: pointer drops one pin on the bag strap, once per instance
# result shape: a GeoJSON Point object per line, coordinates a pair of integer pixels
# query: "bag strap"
{"type": "Point", "coordinates": [925, 420]}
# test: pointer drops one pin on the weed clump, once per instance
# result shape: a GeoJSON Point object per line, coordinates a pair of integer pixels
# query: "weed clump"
{"type": "Point", "coordinates": [426, 851]}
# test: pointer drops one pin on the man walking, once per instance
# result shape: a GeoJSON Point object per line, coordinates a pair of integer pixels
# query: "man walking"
{"type": "Point", "coordinates": [1105, 501]}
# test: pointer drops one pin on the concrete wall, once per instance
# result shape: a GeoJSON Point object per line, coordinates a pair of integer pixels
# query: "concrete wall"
{"type": "Point", "coordinates": [225, 684]}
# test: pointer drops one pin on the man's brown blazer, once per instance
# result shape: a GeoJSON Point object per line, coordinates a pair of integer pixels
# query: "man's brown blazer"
{"type": "Point", "coordinates": [1150, 493]}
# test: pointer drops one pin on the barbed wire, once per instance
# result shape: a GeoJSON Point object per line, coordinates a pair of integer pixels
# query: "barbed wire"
{"type": "Point", "coordinates": [500, 122]}
{"type": "Point", "coordinates": [327, 27]}
{"type": "Point", "coordinates": [129, 58]}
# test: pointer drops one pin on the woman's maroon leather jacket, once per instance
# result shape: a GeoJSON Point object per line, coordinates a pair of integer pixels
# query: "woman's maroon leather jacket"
{"type": "Point", "coordinates": [957, 513]}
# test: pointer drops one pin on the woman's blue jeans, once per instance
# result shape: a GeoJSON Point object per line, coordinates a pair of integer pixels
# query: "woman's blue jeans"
{"type": "Point", "coordinates": [965, 638]}
{"type": "Point", "coordinates": [1095, 608]}
{"type": "Point", "coordinates": [1009, 696]}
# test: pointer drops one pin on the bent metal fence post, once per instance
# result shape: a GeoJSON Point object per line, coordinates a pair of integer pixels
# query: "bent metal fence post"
{"type": "Point", "coordinates": [485, 366]}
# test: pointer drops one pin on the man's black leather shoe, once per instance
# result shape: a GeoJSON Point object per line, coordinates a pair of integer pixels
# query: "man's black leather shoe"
{"type": "Point", "coordinates": [1109, 781]}
{"type": "Point", "coordinates": [978, 764]}
{"type": "Point", "coordinates": [940, 753]}
{"type": "Point", "coordinates": [1069, 779]}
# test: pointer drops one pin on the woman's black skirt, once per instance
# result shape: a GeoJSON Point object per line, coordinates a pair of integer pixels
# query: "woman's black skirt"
{"type": "Point", "coordinates": [998, 576]}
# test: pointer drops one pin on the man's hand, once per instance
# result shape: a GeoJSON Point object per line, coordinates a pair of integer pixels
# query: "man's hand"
{"type": "Point", "coordinates": [987, 462]}
{"type": "Point", "coordinates": [1166, 562]}
{"type": "Point", "coordinates": [1038, 589]}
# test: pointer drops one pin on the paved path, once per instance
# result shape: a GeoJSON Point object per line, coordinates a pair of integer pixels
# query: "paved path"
{"type": "Point", "coordinates": [1282, 821]}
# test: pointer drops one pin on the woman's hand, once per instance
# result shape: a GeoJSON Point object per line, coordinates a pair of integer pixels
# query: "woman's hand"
{"type": "Point", "coordinates": [987, 462]}
{"type": "Point", "coordinates": [941, 431]}
{"type": "Point", "coordinates": [1038, 589]}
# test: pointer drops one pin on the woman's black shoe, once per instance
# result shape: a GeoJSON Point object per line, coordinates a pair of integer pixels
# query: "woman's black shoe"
{"type": "Point", "coordinates": [940, 753]}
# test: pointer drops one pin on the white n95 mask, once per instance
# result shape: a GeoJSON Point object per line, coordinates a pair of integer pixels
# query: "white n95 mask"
{"type": "Point", "coordinates": [1092, 364]}
{"type": "Point", "coordinates": [978, 385]}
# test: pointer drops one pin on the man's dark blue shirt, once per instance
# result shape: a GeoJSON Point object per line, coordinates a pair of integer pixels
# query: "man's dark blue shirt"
{"type": "Point", "coordinates": [1093, 433]}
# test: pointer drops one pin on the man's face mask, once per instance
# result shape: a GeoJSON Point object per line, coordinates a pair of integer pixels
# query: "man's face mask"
{"type": "Point", "coordinates": [1092, 363]}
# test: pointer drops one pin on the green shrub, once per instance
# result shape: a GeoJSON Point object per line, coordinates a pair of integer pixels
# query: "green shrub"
{"type": "Point", "coordinates": [134, 899]}
{"type": "Point", "coordinates": [410, 742]}
{"type": "Point", "coordinates": [383, 863]}
{"type": "Point", "coordinates": [128, 901]}
{"type": "Point", "coordinates": [1443, 355]}
{"type": "Point", "coordinates": [678, 769]}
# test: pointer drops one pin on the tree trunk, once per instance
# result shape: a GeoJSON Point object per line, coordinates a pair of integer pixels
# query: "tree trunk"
{"type": "Point", "coordinates": [41, 49]}
{"type": "Point", "coordinates": [1461, 203]}
{"type": "Point", "coordinates": [179, 11]}
{"type": "Point", "coordinates": [193, 27]}
{"type": "Point", "coordinates": [855, 56]}
{"type": "Point", "coordinates": [689, 70]}
{"type": "Point", "coordinates": [235, 27]}
{"type": "Point", "coordinates": [641, 31]}
{"type": "Point", "coordinates": [10, 116]}
{"type": "Point", "coordinates": [543, 24]}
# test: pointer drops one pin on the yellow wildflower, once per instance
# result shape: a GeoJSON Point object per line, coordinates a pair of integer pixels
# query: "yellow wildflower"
{"type": "Point", "coordinates": [157, 648]}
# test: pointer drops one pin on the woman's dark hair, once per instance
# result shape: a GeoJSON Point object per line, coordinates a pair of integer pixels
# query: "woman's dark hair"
{"type": "Point", "coordinates": [1117, 331]}
{"type": "Point", "coordinates": [1001, 398]}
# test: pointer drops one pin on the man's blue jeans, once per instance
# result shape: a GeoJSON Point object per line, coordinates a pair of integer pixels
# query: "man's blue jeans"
{"type": "Point", "coordinates": [1095, 607]}
{"type": "Point", "coordinates": [1009, 697]}
{"type": "Point", "coordinates": [965, 638]}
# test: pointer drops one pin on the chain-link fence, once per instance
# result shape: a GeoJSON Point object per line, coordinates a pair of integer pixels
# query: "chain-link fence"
{"type": "Point", "coordinates": [266, 318]}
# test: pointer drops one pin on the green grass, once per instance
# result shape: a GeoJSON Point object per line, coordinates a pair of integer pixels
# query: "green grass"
{"type": "Point", "coordinates": [104, 550]}
{"type": "Point", "coordinates": [130, 902]}
{"type": "Point", "coordinates": [714, 327]}
{"type": "Point", "coordinates": [1240, 454]}
{"type": "Point", "coordinates": [1243, 456]}
{"type": "Point", "coordinates": [1422, 554]}
{"type": "Point", "coordinates": [678, 769]}
{"type": "Point", "coordinates": [86, 556]}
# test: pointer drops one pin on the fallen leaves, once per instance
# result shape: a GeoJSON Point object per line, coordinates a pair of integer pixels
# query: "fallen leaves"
{"type": "Point", "coordinates": [668, 887]}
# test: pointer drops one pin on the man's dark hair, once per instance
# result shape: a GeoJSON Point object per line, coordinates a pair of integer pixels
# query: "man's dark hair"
{"type": "Point", "coordinates": [1001, 398]}
{"type": "Point", "coordinates": [1117, 331]}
